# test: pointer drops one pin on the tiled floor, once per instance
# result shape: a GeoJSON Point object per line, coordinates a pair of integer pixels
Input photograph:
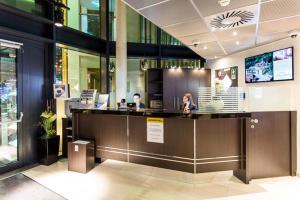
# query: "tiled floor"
{"type": "Point", "coordinates": [114, 180]}
{"type": "Point", "coordinates": [20, 187]}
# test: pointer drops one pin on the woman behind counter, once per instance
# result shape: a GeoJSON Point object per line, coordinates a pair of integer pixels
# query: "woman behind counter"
{"type": "Point", "coordinates": [188, 103]}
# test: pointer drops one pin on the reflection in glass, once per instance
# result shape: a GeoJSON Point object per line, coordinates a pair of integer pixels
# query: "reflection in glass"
{"type": "Point", "coordinates": [84, 15]}
{"type": "Point", "coordinates": [80, 69]}
{"type": "Point", "coordinates": [32, 6]}
{"type": "Point", "coordinates": [167, 39]}
{"type": "Point", "coordinates": [8, 106]}
{"type": "Point", "coordinates": [136, 76]}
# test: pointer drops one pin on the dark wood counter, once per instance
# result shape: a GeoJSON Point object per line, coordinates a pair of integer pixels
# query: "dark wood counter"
{"type": "Point", "coordinates": [195, 143]}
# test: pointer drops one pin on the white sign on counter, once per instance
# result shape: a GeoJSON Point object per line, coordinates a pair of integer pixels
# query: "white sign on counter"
{"type": "Point", "coordinates": [155, 130]}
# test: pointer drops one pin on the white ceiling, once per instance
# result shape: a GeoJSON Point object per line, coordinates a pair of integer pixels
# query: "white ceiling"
{"type": "Point", "coordinates": [190, 21]}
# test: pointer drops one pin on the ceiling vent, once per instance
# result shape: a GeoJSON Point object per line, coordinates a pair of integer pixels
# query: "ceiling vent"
{"type": "Point", "coordinates": [233, 18]}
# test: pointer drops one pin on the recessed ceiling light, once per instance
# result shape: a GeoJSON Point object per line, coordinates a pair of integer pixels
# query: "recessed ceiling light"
{"type": "Point", "coordinates": [204, 47]}
{"type": "Point", "coordinates": [58, 24]}
{"type": "Point", "coordinates": [237, 42]}
{"type": "Point", "coordinates": [216, 57]}
{"type": "Point", "coordinates": [234, 33]}
{"type": "Point", "coordinates": [224, 3]}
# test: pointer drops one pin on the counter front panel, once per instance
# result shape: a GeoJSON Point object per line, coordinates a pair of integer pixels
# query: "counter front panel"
{"type": "Point", "coordinates": [195, 143]}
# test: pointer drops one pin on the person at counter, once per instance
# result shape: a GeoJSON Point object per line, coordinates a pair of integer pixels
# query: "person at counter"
{"type": "Point", "coordinates": [138, 101]}
{"type": "Point", "coordinates": [188, 103]}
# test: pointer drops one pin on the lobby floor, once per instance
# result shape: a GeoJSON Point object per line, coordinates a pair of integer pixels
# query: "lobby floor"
{"type": "Point", "coordinates": [114, 180]}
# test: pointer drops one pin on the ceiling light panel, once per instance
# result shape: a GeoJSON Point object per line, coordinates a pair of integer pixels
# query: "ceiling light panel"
{"type": "Point", "coordinates": [138, 4]}
{"type": "Point", "coordinates": [243, 33]}
{"type": "Point", "coordinates": [279, 9]}
{"type": "Point", "coordinates": [270, 38]}
{"type": "Point", "coordinates": [212, 49]}
{"type": "Point", "coordinates": [170, 13]}
{"type": "Point", "coordinates": [202, 38]}
{"type": "Point", "coordinates": [187, 28]}
{"type": "Point", "coordinates": [279, 26]}
{"type": "Point", "coordinates": [211, 7]}
{"type": "Point", "coordinates": [231, 46]}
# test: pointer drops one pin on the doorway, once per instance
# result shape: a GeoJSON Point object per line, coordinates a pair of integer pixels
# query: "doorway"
{"type": "Point", "coordinates": [10, 115]}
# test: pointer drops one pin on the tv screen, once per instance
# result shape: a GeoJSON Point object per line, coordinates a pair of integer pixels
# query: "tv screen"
{"type": "Point", "coordinates": [271, 66]}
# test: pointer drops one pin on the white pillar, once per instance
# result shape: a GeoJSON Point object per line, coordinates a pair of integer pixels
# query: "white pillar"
{"type": "Point", "coordinates": [121, 51]}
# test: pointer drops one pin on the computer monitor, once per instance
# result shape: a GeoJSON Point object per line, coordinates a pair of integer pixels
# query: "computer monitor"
{"type": "Point", "coordinates": [131, 105]}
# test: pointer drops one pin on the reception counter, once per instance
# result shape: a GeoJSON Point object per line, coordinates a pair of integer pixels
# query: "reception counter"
{"type": "Point", "coordinates": [253, 145]}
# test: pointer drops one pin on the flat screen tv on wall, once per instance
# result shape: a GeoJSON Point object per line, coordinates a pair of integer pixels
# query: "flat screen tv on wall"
{"type": "Point", "coordinates": [272, 66]}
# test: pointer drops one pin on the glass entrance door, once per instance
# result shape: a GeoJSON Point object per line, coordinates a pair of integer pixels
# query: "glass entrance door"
{"type": "Point", "coordinates": [8, 106]}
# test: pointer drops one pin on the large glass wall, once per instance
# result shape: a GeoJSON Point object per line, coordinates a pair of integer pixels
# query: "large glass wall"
{"type": "Point", "coordinates": [112, 21]}
{"type": "Point", "coordinates": [8, 105]}
{"type": "Point", "coordinates": [84, 15]}
{"type": "Point", "coordinates": [139, 29]}
{"type": "Point", "coordinates": [167, 39]}
{"type": "Point", "coordinates": [32, 6]}
{"type": "Point", "coordinates": [81, 70]}
{"type": "Point", "coordinates": [136, 78]}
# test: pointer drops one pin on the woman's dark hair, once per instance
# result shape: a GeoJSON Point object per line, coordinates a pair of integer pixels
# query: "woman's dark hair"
{"type": "Point", "coordinates": [137, 94]}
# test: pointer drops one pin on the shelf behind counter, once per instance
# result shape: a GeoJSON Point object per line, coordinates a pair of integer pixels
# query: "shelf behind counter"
{"type": "Point", "coordinates": [195, 143]}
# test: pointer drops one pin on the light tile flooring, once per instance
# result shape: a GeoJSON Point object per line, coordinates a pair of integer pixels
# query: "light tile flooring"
{"type": "Point", "coordinates": [114, 180]}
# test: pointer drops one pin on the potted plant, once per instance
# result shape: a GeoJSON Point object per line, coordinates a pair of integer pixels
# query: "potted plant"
{"type": "Point", "coordinates": [49, 141]}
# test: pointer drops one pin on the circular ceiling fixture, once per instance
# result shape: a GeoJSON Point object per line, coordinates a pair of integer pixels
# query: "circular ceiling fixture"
{"type": "Point", "coordinates": [231, 19]}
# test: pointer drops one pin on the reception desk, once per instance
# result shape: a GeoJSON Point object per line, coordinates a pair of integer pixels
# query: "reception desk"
{"type": "Point", "coordinates": [253, 145]}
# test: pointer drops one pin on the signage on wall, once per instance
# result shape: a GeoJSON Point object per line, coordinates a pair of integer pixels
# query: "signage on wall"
{"type": "Point", "coordinates": [233, 71]}
{"type": "Point", "coordinates": [228, 75]}
{"type": "Point", "coordinates": [155, 130]}
{"type": "Point", "coordinates": [61, 91]}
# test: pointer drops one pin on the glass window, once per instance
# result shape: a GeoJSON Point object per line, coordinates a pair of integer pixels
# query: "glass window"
{"type": "Point", "coordinates": [84, 15]}
{"type": "Point", "coordinates": [139, 29]}
{"type": "Point", "coordinates": [9, 105]}
{"type": "Point", "coordinates": [112, 21]}
{"type": "Point", "coordinates": [32, 6]}
{"type": "Point", "coordinates": [112, 81]}
{"type": "Point", "coordinates": [81, 70]}
{"type": "Point", "coordinates": [167, 39]}
{"type": "Point", "coordinates": [136, 78]}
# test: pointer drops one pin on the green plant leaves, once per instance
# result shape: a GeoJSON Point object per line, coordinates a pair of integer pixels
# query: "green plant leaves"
{"type": "Point", "coordinates": [47, 123]}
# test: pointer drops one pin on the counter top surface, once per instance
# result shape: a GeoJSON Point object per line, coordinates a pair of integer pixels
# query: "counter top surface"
{"type": "Point", "coordinates": [162, 113]}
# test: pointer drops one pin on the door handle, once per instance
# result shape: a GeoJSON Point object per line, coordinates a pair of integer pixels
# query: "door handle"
{"type": "Point", "coordinates": [14, 121]}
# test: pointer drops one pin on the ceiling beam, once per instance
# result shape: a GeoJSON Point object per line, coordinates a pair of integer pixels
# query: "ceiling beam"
{"type": "Point", "coordinates": [257, 22]}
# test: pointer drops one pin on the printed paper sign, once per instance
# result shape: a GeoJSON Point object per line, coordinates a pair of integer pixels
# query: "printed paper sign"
{"type": "Point", "coordinates": [155, 130]}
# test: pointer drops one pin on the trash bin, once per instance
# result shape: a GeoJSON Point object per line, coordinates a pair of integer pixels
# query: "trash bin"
{"type": "Point", "coordinates": [81, 156]}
